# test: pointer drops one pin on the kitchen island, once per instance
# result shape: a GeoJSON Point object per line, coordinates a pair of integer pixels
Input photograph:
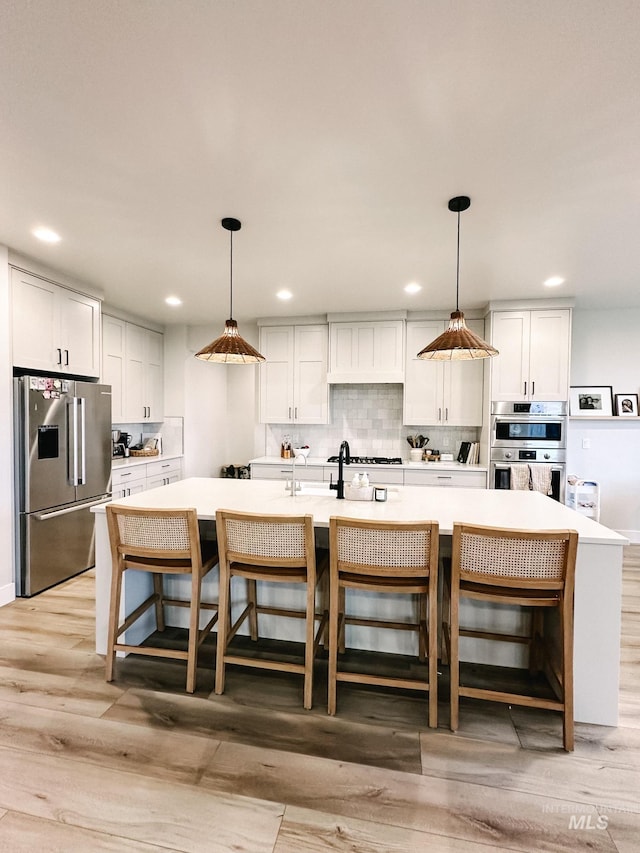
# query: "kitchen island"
{"type": "Point", "coordinates": [598, 586]}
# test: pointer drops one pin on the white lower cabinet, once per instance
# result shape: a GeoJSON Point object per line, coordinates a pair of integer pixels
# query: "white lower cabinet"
{"type": "Point", "coordinates": [163, 472]}
{"type": "Point", "coordinates": [283, 472]}
{"type": "Point", "coordinates": [378, 475]}
{"type": "Point", "coordinates": [447, 477]}
{"type": "Point", "coordinates": [130, 480]}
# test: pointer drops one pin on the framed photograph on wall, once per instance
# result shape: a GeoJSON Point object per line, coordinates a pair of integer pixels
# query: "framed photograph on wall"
{"type": "Point", "coordinates": [591, 401]}
{"type": "Point", "coordinates": [627, 405]}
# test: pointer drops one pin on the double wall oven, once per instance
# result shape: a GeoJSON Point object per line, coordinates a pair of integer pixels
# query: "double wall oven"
{"type": "Point", "coordinates": [533, 433]}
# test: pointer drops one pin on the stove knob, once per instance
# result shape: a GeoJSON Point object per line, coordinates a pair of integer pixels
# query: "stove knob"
{"type": "Point", "coordinates": [547, 456]}
{"type": "Point", "coordinates": [508, 455]}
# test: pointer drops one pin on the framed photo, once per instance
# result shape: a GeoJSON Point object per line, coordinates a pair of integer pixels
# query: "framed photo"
{"type": "Point", "coordinates": [627, 405]}
{"type": "Point", "coordinates": [592, 401]}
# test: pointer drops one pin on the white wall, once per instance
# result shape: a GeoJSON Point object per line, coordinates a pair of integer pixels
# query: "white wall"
{"type": "Point", "coordinates": [606, 351]}
{"type": "Point", "coordinates": [7, 586]}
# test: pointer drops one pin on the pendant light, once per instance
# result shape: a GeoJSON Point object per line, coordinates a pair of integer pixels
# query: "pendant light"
{"type": "Point", "coordinates": [230, 348]}
{"type": "Point", "coordinates": [457, 342]}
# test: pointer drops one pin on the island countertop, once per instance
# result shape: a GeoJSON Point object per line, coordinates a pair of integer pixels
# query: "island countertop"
{"type": "Point", "coordinates": [598, 587]}
{"type": "Point", "coordinates": [495, 507]}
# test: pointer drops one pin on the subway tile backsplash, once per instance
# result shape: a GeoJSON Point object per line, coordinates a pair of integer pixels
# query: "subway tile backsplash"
{"type": "Point", "coordinates": [369, 417]}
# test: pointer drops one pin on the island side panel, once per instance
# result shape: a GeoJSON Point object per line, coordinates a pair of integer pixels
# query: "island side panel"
{"type": "Point", "coordinates": [597, 623]}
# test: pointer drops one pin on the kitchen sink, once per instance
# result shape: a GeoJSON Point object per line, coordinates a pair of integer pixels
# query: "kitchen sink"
{"type": "Point", "coordinates": [318, 489]}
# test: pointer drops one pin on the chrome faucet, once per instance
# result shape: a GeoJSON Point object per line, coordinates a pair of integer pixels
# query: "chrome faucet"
{"type": "Point", "coordinates": [296, 488]}
{"type": "Point", "coordinates": [344, 458]}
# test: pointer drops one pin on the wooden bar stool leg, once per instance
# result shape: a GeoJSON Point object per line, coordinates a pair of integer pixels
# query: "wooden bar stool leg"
{"type": "Point", "coordinates": [566, 623]}
{"type": "Point", "coordinates": [334, 613]}
{"type": "Point", "coordinates": [158, 588]}
{"type": "Point", "coordinates": [454, 660]}
{"type": "Point", "coordinates": [433, 655]}
{"type": "Point", "coordinates": [194, 624]}
{"type": "Point", "coordinates": [343, 609]}
{"type": "Point", "coordinates": [224, 604]}
{"type": "Point", "coordinates": [309, 645]}
{"type": "Point", "coordinates": [114, 619]}
{"type": "Point", "coordinates": [252, 597]}
{"type": "Point", "coordinates": [422, 627]}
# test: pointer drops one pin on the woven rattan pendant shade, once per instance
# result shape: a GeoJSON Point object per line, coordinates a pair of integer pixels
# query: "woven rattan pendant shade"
{"type": "Point", "coordinates": [230, 348]}
{"type": "Point", "coordinates": [457, 342]}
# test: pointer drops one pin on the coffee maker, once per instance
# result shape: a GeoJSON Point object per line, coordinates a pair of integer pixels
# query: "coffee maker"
{"type": "Point", "coordinates": [120, 442]}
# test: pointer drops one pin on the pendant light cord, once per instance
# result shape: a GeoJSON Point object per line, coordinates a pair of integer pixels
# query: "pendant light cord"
{"type": "Point", "coordinates": [231, 270]}
{"type": "Point", "coordinates": [458, 263]}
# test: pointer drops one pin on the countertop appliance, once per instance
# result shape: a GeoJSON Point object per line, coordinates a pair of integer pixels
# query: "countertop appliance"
{"type": "Point", "coordinates": [62, 469]}
{"type": "Point", "coordinates": [528, 433]}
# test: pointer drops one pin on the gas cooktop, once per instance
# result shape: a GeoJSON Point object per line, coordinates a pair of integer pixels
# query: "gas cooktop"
{"type": "Point", "coordinates": [371, 460]}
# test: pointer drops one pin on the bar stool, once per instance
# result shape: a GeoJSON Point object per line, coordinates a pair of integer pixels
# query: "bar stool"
{"type": "Point", "coordinates": [161, 542]}
{"type": "Point", "coordinates": [529, 568]}
{"type": "Point", "coordinates": [268, 549]}
{"type": "Point", "coordinates": [385, 557]}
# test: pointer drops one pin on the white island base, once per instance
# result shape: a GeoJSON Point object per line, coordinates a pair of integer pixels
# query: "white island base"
{"type": "Point", "coordinates": [598, 589]}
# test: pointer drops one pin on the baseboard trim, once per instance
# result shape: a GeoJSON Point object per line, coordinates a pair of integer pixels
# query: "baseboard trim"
{"type": "Point", "coordinates": [632, 535]}
{"type": "Point", "coordinates": [7, 594]}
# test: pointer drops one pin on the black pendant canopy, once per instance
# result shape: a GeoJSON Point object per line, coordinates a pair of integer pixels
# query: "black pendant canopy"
{"type": "Point", "coordinates": [230, 348]}
{"type": "Point", "coordinates": [458, 342]}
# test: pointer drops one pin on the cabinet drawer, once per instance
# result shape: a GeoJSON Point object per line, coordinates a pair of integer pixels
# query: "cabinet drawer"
{"type": "Point", "coordinates": [164, 467]}
{"type": "Point", "coordinates": [123, 476]}
{"type": "Point", "coordinates": [459, 479]}
{"type": "Point", "coordinates": [283, 472]}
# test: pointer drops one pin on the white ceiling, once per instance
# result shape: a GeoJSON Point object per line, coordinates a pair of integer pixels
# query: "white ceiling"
{"type": "Point", "coordinates": [336, 130]}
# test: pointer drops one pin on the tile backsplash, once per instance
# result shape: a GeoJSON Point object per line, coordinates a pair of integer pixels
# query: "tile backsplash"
{"type": "Point", "coordinates": [369, 417]}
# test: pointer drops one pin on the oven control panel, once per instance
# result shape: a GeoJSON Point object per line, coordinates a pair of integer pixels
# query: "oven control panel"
{"type": "Point", "coordinates": [516, 454]}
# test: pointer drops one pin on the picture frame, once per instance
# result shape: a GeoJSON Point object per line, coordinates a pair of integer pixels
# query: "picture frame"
{"type": "Point", "coordinates": [626, 405]}
{"type": "Point", "coordinates": [591, 401]}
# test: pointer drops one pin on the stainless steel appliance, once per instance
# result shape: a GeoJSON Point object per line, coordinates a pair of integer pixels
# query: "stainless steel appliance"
{"type": "Point", "coordinates": [63, 468]}
{"type": "Point", "coordinates": [528, 433]}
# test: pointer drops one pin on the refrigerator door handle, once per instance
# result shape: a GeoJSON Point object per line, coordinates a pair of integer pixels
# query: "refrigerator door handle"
{"type": "Point", "coordinates": [83, 442]}
{"type": "Point", "coordinates": [73, 441]}
{"type": "Point", "coordinates": [45, 516]}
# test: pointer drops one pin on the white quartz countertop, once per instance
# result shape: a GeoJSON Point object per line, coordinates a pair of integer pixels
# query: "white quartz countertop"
{"type": "Point", "coordinates": [526, 510]}
{"type": "Point", "coordinates": [317, 461]}
{"type": "Point", "coordinates": [131, 461]}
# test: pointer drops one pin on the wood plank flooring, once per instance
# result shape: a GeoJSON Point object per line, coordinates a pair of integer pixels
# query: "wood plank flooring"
{"type": "Point", "coordinates": [138, 765]}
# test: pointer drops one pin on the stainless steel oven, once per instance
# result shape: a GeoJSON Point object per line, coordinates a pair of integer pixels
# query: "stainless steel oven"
{"type": "Point", "coordinates": [532, 433]}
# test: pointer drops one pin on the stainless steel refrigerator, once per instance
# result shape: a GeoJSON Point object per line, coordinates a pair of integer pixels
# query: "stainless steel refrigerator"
{"type": "Point", "coordinates": [63, 468]}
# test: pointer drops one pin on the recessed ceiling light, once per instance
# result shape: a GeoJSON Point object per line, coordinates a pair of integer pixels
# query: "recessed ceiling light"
{"type": "Point", "coordinates": [284, 294]}
{"type": "Point", "coordinates": [46, 235]}
{"type": "Point", "coordinates": [173, 300]}
{"type": "Point", "coordinates": [554, 281]}
{"type": "Point", "coordinates": [413, 287]}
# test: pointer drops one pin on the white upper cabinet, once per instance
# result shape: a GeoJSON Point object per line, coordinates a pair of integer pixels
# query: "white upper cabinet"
{"type": "Point", "coordinates": [368, 351]}
{"type": "Point", "coordinates": [441, 392]}
{"type": "Point", "coordinates": [534, 349]}
{"type": "Point", "coordinates": [293, 379]}
{"type": "Point", "coordinates": [54, 328]}
{"type": "Point", "coordinates": [134, 367]}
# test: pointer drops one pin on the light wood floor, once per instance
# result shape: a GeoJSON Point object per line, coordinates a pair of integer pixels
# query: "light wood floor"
{"type": "Point", "coordinates": [139, 765]}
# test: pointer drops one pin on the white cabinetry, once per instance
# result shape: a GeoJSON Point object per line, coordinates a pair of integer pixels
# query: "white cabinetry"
{"type": "Point", "coordinates": [534, 351]}
{"type": "Point", "coordinates": [54, 328]}
{"type": "Point", "coordinates": [368, 351]}
{"type": "Point", "coordinates": [441, 392]}
{"type": "Point", "coordinates": [163, 472]}
{"type": "Point", "coordinates": [283, 472]}
{"type": "Point", "coordinates": [128, 480]}
{"type": "Point", "coordinates": [446, 477]}
{"type": "Point", "coordinates": [293, 379]}
{"type": "Point", "coordinates": [132, 364]}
